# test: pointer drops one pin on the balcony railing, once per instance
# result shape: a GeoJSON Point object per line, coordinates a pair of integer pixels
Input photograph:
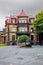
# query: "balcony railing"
{"type": "Point", "coordinates": [22, 32]}
{"type": "Point", "coordinates": [22, 24]}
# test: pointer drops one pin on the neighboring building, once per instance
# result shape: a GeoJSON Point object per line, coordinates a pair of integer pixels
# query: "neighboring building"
{"type": "Point", "coordinates": [20, 25]}
{"type": "Point", "coordinates": [1, 32]}
{"type": "Point", "coordinates": [1, 37]}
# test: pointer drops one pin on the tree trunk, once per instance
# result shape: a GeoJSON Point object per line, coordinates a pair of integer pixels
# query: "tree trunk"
{"type": "Point", "coordinates": [41, 39]}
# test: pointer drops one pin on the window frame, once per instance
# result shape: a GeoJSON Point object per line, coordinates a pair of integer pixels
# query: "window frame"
{"type": "Point", "coordinates": [22, 29]}
{"type": "Point", "coordinates": [14, 29]}
{"type": "Point", "coordinates": [32, 30]}
{"type": "Point", "coordinates": [22, 21]}
{"type": "Point", "coordinates": [13, 22]}
{"type": "Point", "coordinates": [32, 20]}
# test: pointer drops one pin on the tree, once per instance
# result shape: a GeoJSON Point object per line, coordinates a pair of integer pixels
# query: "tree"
{"type": "Point", "coordinates": [24, 38]}
{"type": "Point", "coordinates": [38, 23]}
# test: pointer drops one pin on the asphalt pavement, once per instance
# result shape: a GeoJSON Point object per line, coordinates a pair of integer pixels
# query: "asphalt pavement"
{"type": "Point", "coordinates": [14, 55]}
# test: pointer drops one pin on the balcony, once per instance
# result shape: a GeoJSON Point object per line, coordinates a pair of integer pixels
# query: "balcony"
{"type": "Point", "coordinates": [22, 33]}
{"type": "Point", "coordinates": [22, 24]}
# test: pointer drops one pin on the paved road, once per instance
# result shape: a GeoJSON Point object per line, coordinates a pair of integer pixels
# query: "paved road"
{"type": "Point", "coordinates": [13, 55]}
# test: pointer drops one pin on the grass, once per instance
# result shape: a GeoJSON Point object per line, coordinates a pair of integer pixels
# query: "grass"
{"type": "Point", "coordinates": [3, 44]}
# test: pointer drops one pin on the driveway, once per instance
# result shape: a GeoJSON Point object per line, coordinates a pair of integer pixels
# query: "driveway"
{"type": "Point", "coordinates": [13, 55]}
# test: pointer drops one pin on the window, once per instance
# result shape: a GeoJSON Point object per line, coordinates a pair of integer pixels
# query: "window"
{"type": "Point", "coordinates": [32, 20]}
{"type": "Point", "coordinates": [32, 37]}
{"type": "Point", "coordinates": [13, 21]}
{"type": "Point", "coordinates": [22, 21]}
{"type": "Point", "coordinates": [25, 21]}
{"type": "Point", "coordinates": [13, 37]}
{"type": "Point", "coordinates": [22, 29]}
{"type": "Point", "coordinates": [32, 30]}
{"type": "Point", "coordinates": [13, 29]}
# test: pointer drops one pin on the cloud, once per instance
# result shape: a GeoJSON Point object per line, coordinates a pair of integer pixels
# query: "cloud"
{"type": "Point", "coordinates": [13, 7]}
{"type": "Point", "coordinates": [10, 6]}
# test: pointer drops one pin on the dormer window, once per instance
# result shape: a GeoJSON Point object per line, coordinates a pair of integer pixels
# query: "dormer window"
{"type": "Point", "coordinates": [32, 20]}
{"type": "Point", "coordinates": [22, 21]}
{"type": "Point", "coordinates": [13, 21]}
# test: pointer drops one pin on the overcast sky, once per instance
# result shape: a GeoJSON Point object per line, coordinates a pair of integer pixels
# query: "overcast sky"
{"type": "Point", "coordinates": [14, 7]}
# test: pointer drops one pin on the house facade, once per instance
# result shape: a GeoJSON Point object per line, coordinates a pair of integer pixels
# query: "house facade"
{"type": "Point", "coordinates": [20, 25]}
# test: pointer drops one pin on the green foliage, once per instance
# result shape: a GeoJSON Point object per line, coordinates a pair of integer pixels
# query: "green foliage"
{"type": "Point", "coordinates": [3, 44]}
{"type": "Point", "coordinates": [38, 22]}
{"type": "Point", "coordinates": [23, 38]}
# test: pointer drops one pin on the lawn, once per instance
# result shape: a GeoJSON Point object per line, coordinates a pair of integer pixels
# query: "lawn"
{"type": "Point", "coordinates": [3, 44]}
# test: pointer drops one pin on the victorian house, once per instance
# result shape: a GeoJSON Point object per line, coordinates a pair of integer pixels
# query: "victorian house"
{"type": "Point", "coordinates": [20, 25]}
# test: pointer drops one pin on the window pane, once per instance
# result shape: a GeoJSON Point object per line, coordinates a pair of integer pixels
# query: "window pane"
{"type": "Point", "coordinates": [25, 21]}
{"type": "Point", "coordinates": [13, 29]}
{"type": "Point", "coordinates": [32, 30]}
{"type": "Point", "coordinates": [20, 21]}
{"type": "Point", "coordinates": [31, 20]}
{"type": "Point", "coordinates": [13, 20]}
{"type": "Point", "coordinates": [22, 29]}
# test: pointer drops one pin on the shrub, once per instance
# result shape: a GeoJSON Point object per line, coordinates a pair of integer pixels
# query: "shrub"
{"type": "Point", "coordinates": [25, 39]}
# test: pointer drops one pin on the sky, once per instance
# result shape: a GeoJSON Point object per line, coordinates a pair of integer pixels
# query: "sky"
{"type": "Point", "coordinates": [14, 7]}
